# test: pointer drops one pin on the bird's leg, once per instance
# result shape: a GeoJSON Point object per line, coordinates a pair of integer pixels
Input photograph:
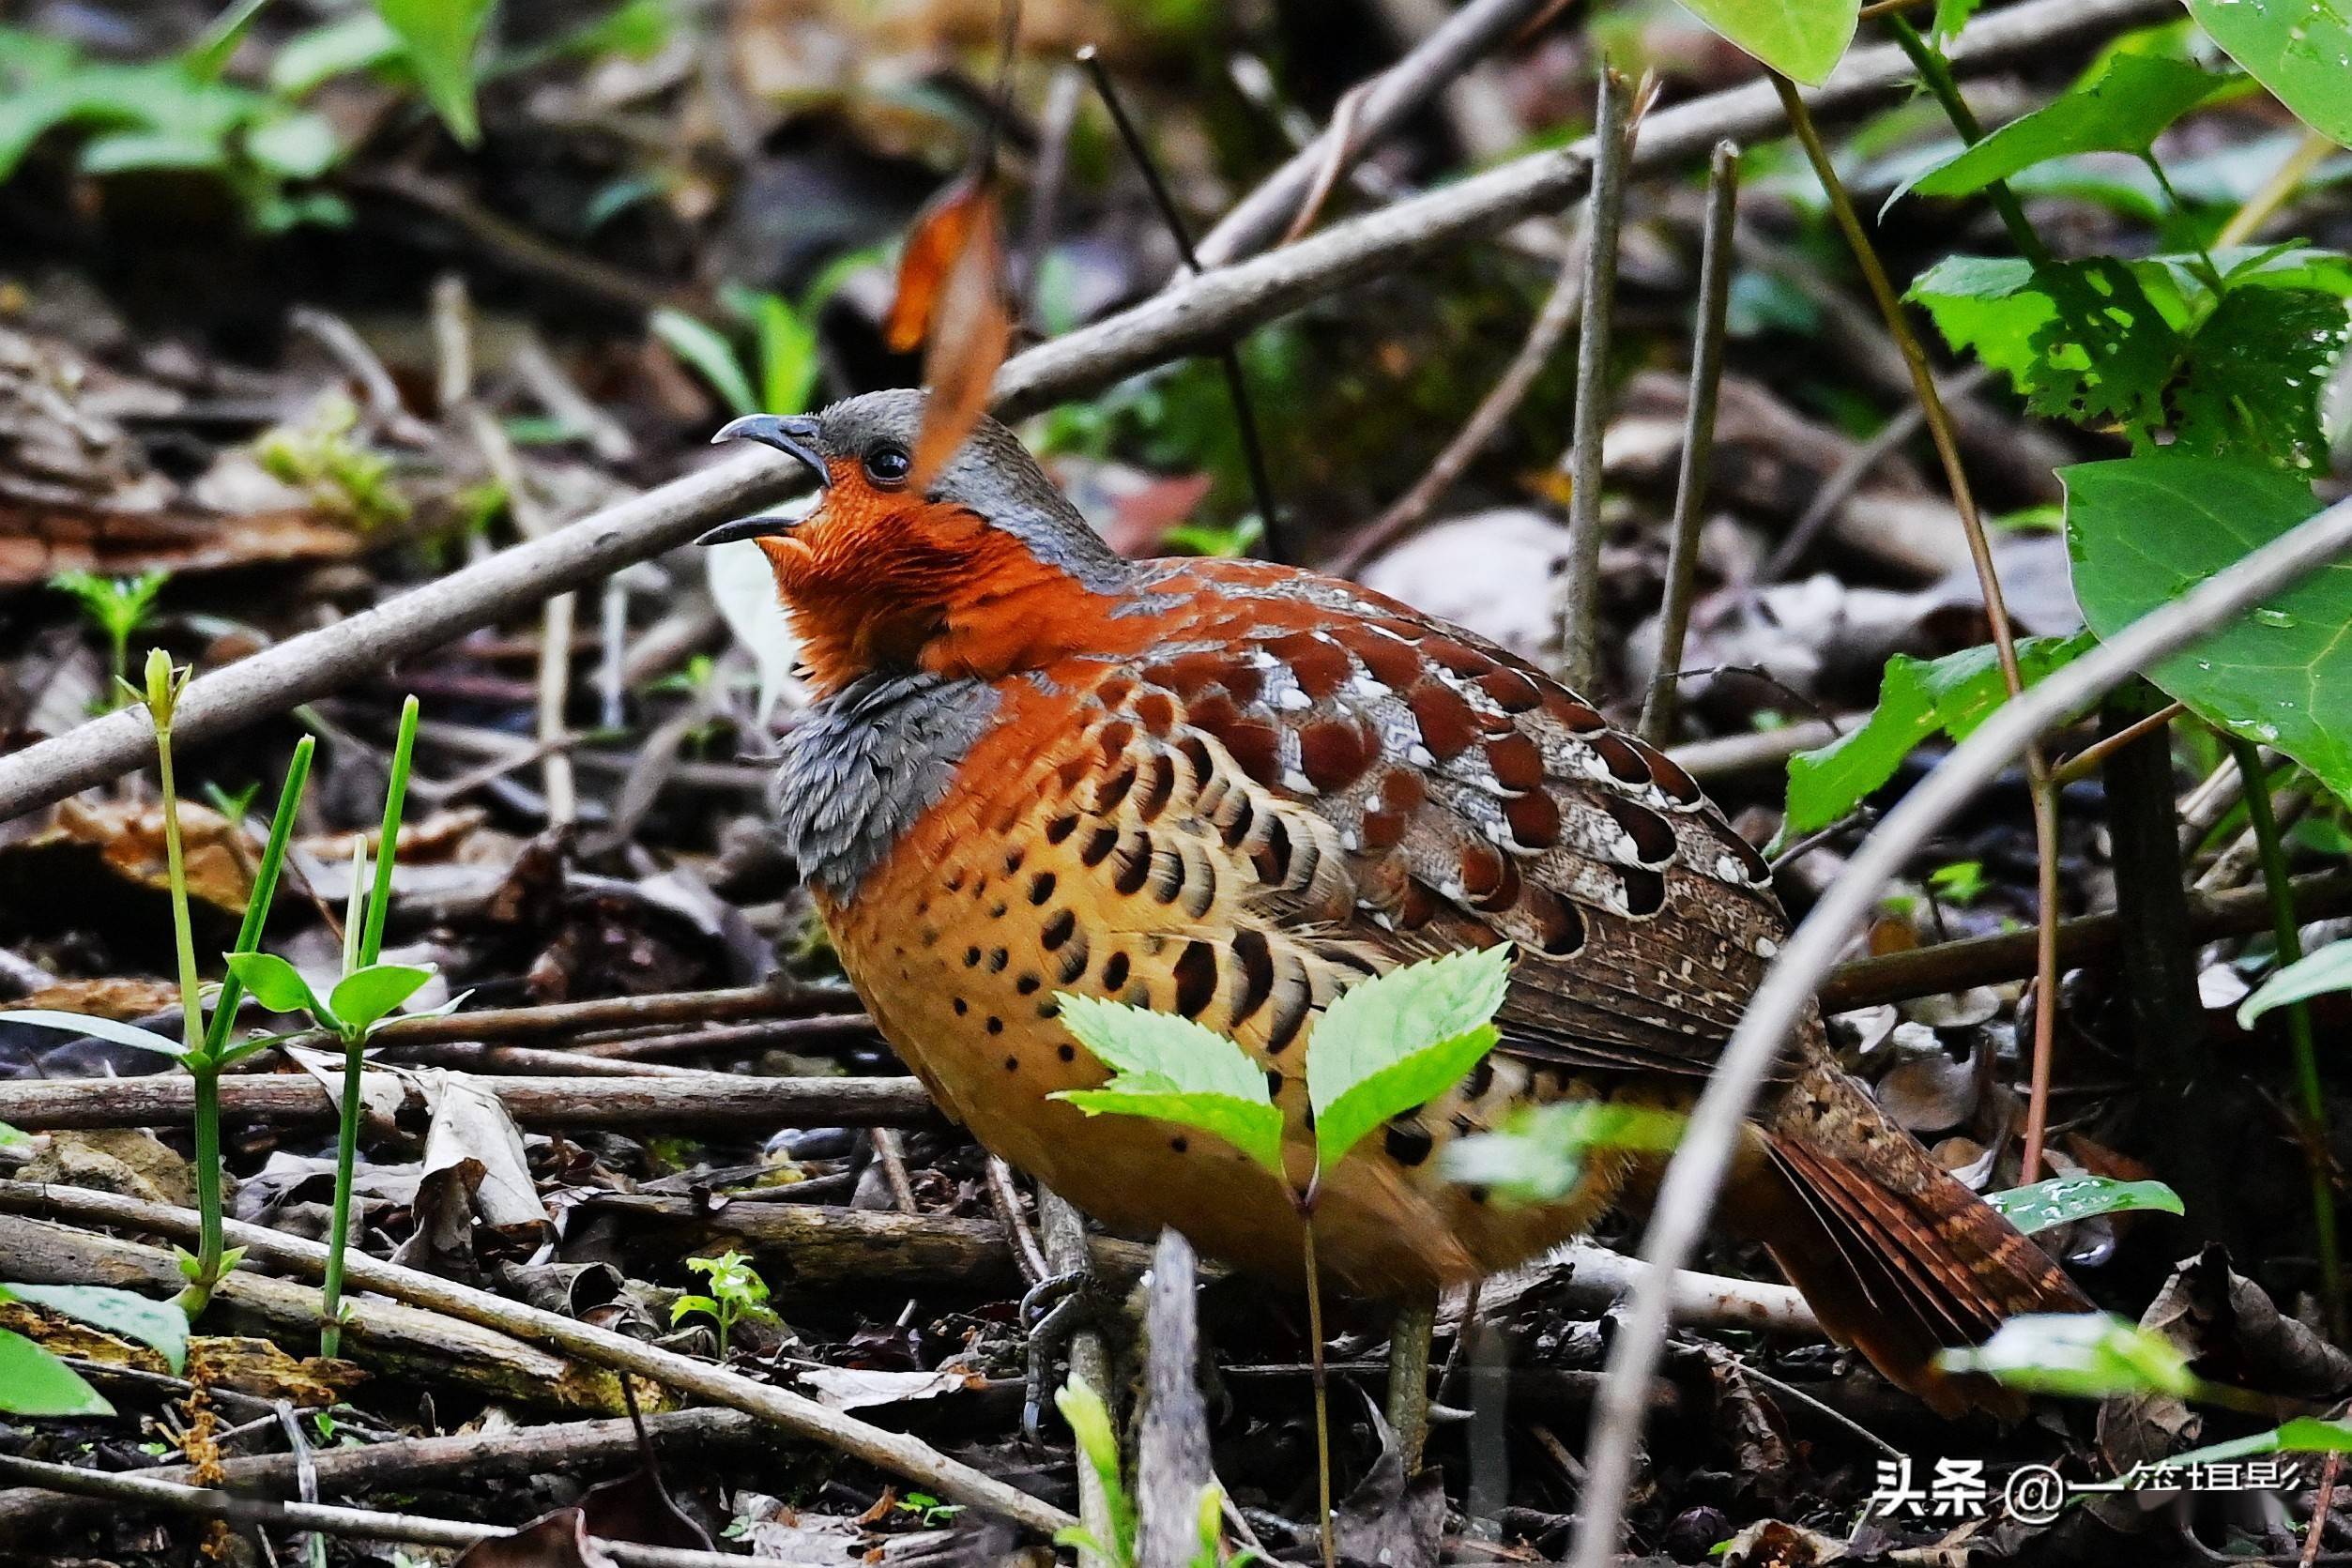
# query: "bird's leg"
{"type": "Point", "coordinates": [1056, 1311]}
{"type": "Point", "coordinates": [1409, 1377]}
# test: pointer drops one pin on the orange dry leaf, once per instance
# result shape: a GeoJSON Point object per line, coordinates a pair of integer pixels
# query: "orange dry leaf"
{"type": "Point", "coordinates": [939, 237]}
{"type": "Point", "coordinates": [952, 299]}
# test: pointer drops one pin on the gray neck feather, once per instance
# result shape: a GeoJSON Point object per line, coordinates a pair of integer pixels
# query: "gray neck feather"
{"type": "Point", "coordinates": [866, 763]}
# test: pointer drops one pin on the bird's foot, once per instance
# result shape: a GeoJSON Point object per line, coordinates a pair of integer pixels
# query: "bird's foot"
{"type": "Point", "coordinates": [1056, 1308]}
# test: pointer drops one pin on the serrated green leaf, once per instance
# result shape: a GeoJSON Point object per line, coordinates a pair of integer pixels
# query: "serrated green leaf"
{"type": "Point", "coordinates": [365, 996]}
{"type": "Point", "coordinates": [1540, 1153]}
{"type": "Point", "coordinates": [1916, 699]}
{"type": "Point", "coordinates": [440, 37]}
{"type": "Point", "coordinates": [706, 349]}
{"type": "Point", "coordinates": [1952, 16]}
{"type": "Point", "coordinates": [278, 985]}
{"type": "Point", "coordinates": [2090, 1355]}
{"type": "Point", "coordinates": [2144, 530]}
{"type": "Point", "coordinates": [2301, 50]}
{"type": "Point", "coordinates": [160, 1325]}
{"type": "Point", "coordinates": [1395, 1090]}
{"type": "Point", "coordinates": [2080, 340]}
{"type": "Point", "coordinates": [2314, 974]}
{"type": "Point", "coordinates": [33, 1383]}
{"type": "Point", "coordinates": [2255, 372]}
{"type": "Point", "coordinates": [1171, 1069]}
{"type": "Point", "coordinates": [2064, 1199]}
{"type": "Point", "coordinates": [1802, 39]}
{"type": "Point", "coordinates": [96, 1028]}
{"type": "Point", "coordinates": [2123, 110]}
{"type": "Point", "coordinates": [1417, 1019]}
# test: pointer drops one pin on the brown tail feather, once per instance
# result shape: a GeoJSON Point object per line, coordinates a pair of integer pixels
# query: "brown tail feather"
{"type": "Point", "coordinates": [1897, 1258]}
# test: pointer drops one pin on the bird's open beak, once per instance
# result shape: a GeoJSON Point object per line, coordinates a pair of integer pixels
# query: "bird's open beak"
{"type": "Point", "coordinates": [795, 435]}
{"type": "Point", "coordinates": [749, 527]}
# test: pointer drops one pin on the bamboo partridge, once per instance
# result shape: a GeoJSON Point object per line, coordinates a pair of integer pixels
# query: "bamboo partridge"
{"type": "Point", "coordinates": [1229, 789]}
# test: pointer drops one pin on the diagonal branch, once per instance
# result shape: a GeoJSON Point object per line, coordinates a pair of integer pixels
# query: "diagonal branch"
{"type": "Point", "coordinates": [1200, 314]}
{"type": "Point", "coordinates": [1686, 1196]}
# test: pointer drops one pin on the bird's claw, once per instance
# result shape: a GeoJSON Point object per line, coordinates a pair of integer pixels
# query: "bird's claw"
{"type": "Point", "coordinates": [1056, 1308]}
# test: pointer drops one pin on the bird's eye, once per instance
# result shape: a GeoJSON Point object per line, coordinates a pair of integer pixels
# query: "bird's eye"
{"type": "Point", "coordinates": [888, 465]}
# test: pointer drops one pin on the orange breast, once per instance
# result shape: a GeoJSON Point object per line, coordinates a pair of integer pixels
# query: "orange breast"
{"type": "Point", "coordinates": [1045, 868]}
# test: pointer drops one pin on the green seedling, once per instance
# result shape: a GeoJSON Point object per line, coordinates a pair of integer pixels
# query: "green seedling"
{"type": "Point", "coordinates": [737, 1295]}
{"type": "Point", "coordinates": [367, 996]}
{"type": "Point", "coordinates": [1098, 1450]}
{"type": "Point", "coordinates": [204, 1048]}
{"type": "Point", "coordinates": [324, 457]}
{"type": "Point", "coordinates": [929, 1512]}
{"type": "Point", "coordinates": [117, 606]}
{"type": "Point", "coordinates": [1384, 1046]}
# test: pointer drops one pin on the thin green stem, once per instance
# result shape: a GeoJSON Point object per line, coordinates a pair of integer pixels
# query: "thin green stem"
{"type": "Point", "coordinates": [346, 1155]}
{"type": "Point", "coordinates": [396, 802]}
{"type": "Point", "coordinates": [183, 934]}
{"type": "Point", "coordinates": [203, 1064]}
{"type": "Point", "coordinates": [2313, 1108]}
{"type": "Point", "coordinates": [265, 891]}
{"type": "Point", "coordinates": [1322, 1392]}
{"type": "Point", "coordinates": [1935, 74]}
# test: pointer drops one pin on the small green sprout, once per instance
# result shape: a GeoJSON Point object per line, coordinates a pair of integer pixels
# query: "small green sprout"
{"type": "Point", "coordinates": [1963, 882]}
{"type": "Point", "coordinates": [928, 1510]}
{"type": "Point", "coordinates": [738, 1294]}
{"type": "Point", "coordinates": [322, 457]}
{"type": "Point", "coordinates": [118, 607]}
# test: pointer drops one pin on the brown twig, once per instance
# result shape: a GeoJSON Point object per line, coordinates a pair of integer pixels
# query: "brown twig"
{"type": "Point", "coordinates": [1946, 440]}
{"type": "Point", "coordinates": [1005, 1201]}
{"type": "Point", "coordinates": [2082, 764]}
{"type": "Point", "coordinates": [894, 1451]}
{"type": "Point", "coordinates": [149, 1494]}
{"type": "Point", "coordinates": [1229, 358]}
{"type": "Point", "coordinates": [707, 1100]}
{"type": "Point", "coordinates": [1605, 208]}
{"type": "Point", "coordinates": [1494, 410]}
{"type": "Point", "coordinates": [1389, 99]}
{"type": "Point", "coordinates": [1698, 443]}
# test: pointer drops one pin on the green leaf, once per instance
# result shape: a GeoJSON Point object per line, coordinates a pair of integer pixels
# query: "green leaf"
{"type": "Point", "coordinates": [1173, 1069]}
{"type": "Point", "coordinates": [161, 1325]}
{"type": "Point", "coordinates": [298, 146]}
{"type": "Point", "coordinates": [365, 996]}
{"type": "Point", "coordinates": [1803, 39]}
{"type": "Point", "coordinates": [2063, 1199]}
{"type": "Point", "coordinates": [1916, 699]}
{"type": "Point", "coordinates": [2314, 974]}
{"type": "Point", "coordinates": [2255, 374]}
{"type": "Point", "coordinates": [1387, 1043]}
{"type": "Point", "coordinates": [2144, 530]}
{"type": "Point", "coordinates": [2303, 1435]}
{"type": "Point", "coordinates": [2301, 50]}
{"type": "Point", "coordinates": [2089, 1355]}
{"type": "Point", "coordinates": [278, 985]}
{"type": "Point", "coordinates": [1952, 16]}
{"type": "Point", "coordinates": [788, 356]}
{"type": "Point", "coordinates": [354, 41]}
{"type": "Point", "coordinates": [2123, 110]}
{"type": "Point", "coordinates": [2081, 341]}
{"type": "Point", "coordinates": [97, 1028]}
{"type": "Point", "coordinates": [440, 36]}
{"type": "Point", "coordinates": [706, 348]}
{"type": "Point", "coordinates": [33, 1383]}
{"type": "Point", "coordinates": [1538, 1153]}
